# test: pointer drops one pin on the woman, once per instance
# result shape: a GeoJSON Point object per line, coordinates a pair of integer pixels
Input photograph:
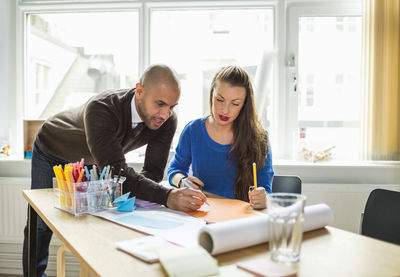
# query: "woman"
{"type": "Point", "coordinates": [222, 147]}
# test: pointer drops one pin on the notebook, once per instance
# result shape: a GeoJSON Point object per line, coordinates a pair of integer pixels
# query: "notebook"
{"type": "Point", "coordinates": [183, 262]}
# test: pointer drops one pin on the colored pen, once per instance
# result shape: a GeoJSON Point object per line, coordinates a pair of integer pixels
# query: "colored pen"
{"type": "Point", "coordinates": [107, 175]}
{"type": "Point", "coordinates": [189, 186]}
{"type": "Point", "coordinates": [95, 177]}
{"type": "Point", "coordinates": [255, 175]}
{"type": "Point", "coordinates": [103, 172]}
{"type": "Point", "coordinates": [80, 176]}
{"type": "Point", "coordinates": [87, 173]}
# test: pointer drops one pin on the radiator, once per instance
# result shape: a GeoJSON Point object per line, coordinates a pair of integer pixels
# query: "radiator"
{"type": "Point", "coordinates": [13, 208]}
{"type": "Point", "coordinates": [13, 212]}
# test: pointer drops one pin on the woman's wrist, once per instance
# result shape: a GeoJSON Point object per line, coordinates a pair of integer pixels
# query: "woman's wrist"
{"type": "Point", "coordinates": [180, 183]}
{"type": "Point", "coordinates": [177, 179]}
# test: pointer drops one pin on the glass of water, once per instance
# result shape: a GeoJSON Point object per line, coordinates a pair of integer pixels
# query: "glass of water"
{"type": "Point", "coordinates": [285, 220]}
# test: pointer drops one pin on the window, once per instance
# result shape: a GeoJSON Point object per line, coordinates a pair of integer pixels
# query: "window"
{"type": "Point", "coordinates": [310, 98]}
{"type": "Point", "coordinates": [198, 42]}
{"type": "Point", "coordinates": [72, 56]}
{"type": "Point", "coordinates": [328, 69]}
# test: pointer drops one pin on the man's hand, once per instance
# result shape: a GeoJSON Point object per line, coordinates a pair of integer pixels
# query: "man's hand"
{"type": "Point", "coordinates": [185, 199]}
{"type": "Point", "coordinates": [258, 198]}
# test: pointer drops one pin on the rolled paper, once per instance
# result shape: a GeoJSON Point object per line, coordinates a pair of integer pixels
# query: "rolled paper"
{"type": "Point", "coordinates": [240, 233]}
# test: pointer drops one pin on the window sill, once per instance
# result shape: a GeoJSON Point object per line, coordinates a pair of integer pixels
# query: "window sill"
{"type": "Point", "coordinates": [338, 163]}
{"type": "Point", "coordinates": [335, 172]}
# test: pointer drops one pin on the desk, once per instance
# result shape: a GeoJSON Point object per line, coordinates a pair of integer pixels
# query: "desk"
{"type": "Point", "coordinates": [325, 252]}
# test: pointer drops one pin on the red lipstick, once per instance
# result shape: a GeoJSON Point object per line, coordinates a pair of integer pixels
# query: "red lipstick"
{"type": "Point", "coordinates": [223, 118]}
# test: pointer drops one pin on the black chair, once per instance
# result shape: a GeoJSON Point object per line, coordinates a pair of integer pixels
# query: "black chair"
{"type": "Point", "coordinates": [286, 184]}
{"type": "Point", "coordinates": [381, 219]}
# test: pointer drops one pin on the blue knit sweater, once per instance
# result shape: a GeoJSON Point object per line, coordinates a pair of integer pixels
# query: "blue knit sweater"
{"type": "Point", "coordinates": [210, 163]}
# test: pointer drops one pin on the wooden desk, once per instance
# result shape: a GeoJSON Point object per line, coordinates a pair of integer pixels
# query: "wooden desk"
{"type": "Point", "coordinates": [325, 252]}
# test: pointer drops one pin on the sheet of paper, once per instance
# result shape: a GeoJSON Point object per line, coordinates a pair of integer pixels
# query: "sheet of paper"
{"type": "Point", "coordinates": [147, 204]}
{"type": "Point", "coordinates": [223, 209]}
{"type": "Point", "coordinates": [145, 248]}
{"type": "Point", "coordinates": [174, 226]}
{"type": "Point", "coordinates": [235, 234]}
{"type": "Point", "coordinates": [155, 223]}
{"type": "Point", "coordinates": [183, 262]}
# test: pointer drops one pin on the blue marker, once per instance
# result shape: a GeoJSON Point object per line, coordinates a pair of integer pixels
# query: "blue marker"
{"type": "Point", "coordinates": [103, 172]}
{"type": "Point", "coordinates": [87, 173]}
{"type": "Point", "coordinates": [189, 186]}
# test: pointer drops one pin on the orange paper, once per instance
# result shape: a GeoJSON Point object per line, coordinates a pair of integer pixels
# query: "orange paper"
{"type": "Point", "coordinates": [223, 209]}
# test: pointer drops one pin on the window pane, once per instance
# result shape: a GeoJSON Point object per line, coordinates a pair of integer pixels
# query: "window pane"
{"type": "Point", "coordinates": [72, 56]}
{"type": "Point", "coordinates": [197, 43]}
{"type": "Point", "coordinates": [329, 83]}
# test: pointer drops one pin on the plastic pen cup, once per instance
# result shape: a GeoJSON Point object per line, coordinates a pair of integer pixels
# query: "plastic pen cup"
{"type": "Point", "coordinates": [285, 220]}
{"type": "Point", "coordinates": [85, 197]}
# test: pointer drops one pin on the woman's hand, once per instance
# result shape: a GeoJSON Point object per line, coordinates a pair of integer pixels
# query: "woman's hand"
{"type": "Point", "coordinates": [258, 198]}
{"type": "Point", "coordinates": [195, 182]}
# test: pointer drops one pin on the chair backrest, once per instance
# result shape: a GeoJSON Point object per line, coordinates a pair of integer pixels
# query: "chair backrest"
{"type": "Point", "coordinates": [286, 184]}
{"type": "Point", "coordinates": [381, 218]}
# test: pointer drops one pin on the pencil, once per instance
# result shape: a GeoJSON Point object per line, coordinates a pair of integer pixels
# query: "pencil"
{"type": "Point", "coordinates": [255, 175]}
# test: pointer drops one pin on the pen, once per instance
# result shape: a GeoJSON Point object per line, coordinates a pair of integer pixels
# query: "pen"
{"type": "Point", "coordinates": [87, 173]}
{"type": "Point", "coordinates": [107, 175]}
{"type": "Point", "coordinates": [189, 186]}
{"type": "Point", "coordinates": [95, 177]}
{"type": "Point", "coordinates": [80, 176]}
{"type": "Point", "coordinates": [103, 173]}
{"type": "Point", "coordinates": [255, 175]}
{"type": "Point", "coordinates": [119, 174]}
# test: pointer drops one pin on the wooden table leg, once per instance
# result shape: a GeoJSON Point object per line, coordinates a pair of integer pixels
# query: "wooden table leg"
{"type": "Point", "coordinates": [61, 261]}
{"type": "Point", "coordinates": [32, 243]}
{"type": "Point", "coordinates": [83, 271]}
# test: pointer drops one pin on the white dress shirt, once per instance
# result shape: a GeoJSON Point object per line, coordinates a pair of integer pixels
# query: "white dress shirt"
{"type": "Point", "coordinates": [135, 116]}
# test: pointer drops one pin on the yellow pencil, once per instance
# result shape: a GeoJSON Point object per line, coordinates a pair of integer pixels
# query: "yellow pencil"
{"type": "Point", "coordinates": [60, 182]}
{"type": "Point", "coordinates": [255, 175]}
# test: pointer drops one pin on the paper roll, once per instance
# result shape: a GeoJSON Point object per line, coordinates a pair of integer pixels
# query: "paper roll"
{"type": "Point", "coordinates": [235, 234]}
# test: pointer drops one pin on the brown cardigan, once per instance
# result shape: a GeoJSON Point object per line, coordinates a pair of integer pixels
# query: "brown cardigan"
{"type": "Point", "coordinates": [100, 131]}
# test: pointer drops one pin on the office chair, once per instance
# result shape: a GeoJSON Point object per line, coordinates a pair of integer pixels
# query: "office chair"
{"type": "Point", "coordinates": [286, 184]}
{"type": "Point", "coordinates": [381, 218]}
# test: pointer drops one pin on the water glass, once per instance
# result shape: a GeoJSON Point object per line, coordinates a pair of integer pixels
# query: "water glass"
{"type": "Point", "coordinates": [285, 219]}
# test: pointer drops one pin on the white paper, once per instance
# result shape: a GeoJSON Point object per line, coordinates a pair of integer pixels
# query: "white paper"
{"type": "Point", "coordinates": [239, 233]}
{"type": "Point", "coordinates": [184, 235]}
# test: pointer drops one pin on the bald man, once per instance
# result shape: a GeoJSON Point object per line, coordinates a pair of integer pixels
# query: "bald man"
{"type": "Point", "coordinates": [101, 131]}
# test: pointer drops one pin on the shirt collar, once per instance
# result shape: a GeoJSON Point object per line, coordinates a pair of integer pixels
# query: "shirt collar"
{"type": "Point", "coordinates": [135, 116]}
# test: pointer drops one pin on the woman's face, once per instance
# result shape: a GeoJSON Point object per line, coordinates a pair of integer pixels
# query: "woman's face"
{"type": "Point", "coordinates": [227, 102]}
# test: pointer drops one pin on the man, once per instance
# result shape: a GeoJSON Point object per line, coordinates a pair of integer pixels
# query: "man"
{"type": "Point", "coordinates": [101, 131]}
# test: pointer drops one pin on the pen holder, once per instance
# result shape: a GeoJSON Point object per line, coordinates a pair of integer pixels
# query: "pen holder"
{"type": "Point", "coordinates": [85, 197]}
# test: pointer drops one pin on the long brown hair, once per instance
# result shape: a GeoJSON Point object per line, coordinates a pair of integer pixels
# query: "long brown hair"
{"type": "Point", "coordinates": [249, 137]}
